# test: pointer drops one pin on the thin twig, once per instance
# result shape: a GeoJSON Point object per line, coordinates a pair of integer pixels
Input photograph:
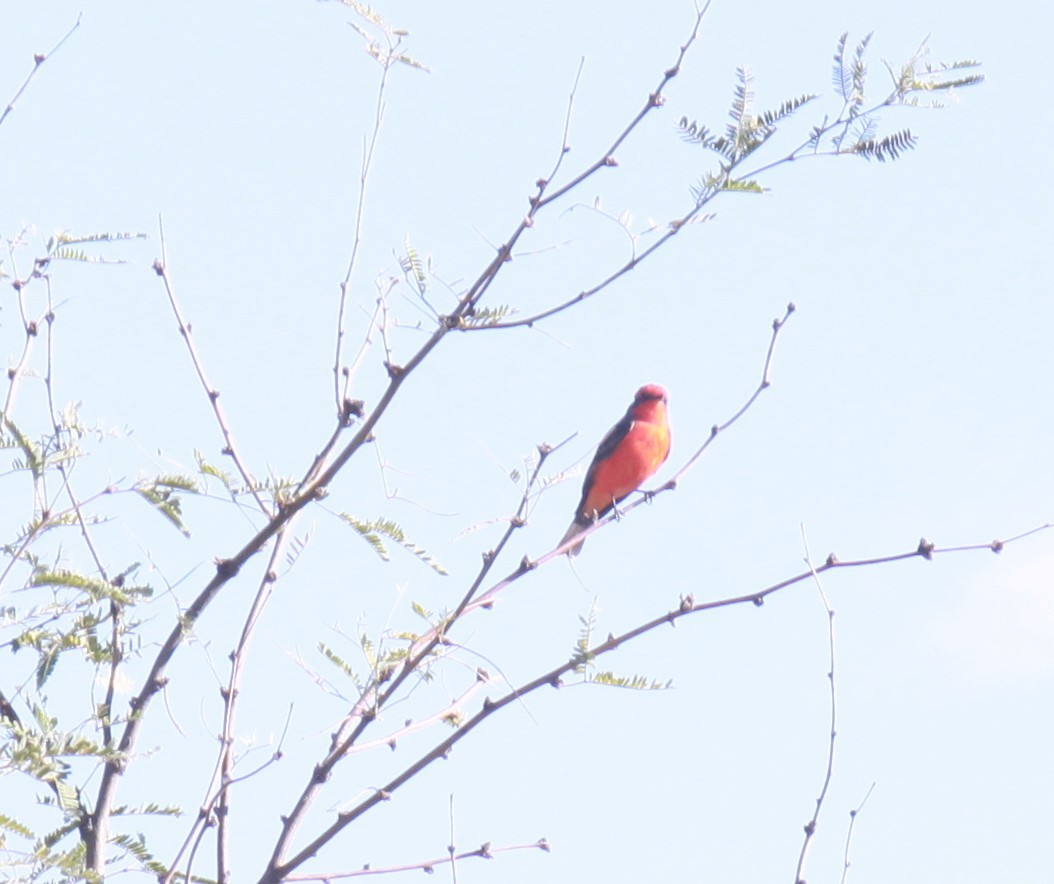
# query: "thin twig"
{"type": "Point", "coordinates": [686, 607]}
{"type": "Point", "coordinates": [810, 827]}
{"type": "Point", "coordinates": [161, 269]}
{"type": "Point", "coordinates": [38, 60]}
{"type": "Point", "coordinates": [544, 197]}
{"type": "Point", "coordinates": [853, 814]}
{"type": "Point", "coordinates": [485, 851]}
{"type": "Point", "coordinates": [451, 849]}
{"type": "Point", "coordinates": [230, 705]}
{"type": "Point", "coordinates": [206, 819]}
{"type": "Point", "coordinates": [369, 147]}
{"type": "Point", "coordinates": [376, 695]}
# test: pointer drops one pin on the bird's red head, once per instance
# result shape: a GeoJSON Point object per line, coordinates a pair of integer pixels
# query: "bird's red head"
{"type": "Point", "coordinates": [650, 392]}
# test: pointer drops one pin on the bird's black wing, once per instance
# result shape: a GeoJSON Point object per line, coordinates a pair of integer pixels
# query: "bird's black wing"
{"type": "Point", "coordinates": [605, 449]}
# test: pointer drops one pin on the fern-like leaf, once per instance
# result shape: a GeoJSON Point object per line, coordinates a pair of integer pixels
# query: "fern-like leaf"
{"type": "Point", "coordinates": [743, 185]}
{"type": "Point", "coordinates": [770, 118]}
{"type": "Point", "coordinates": [840, 75]}
{"type": "Point", "coordinates": [34, 461]}
{"type": "Point", "coordinates": [338, 661]}
{"type": "Point", "coordinates": [208, 469]}
{"type": "Point", "coordinates": [888, 148]}
{"type": "Point", "coordinates": [631, 682]}
{"type": "Point", "coordinates": [161, 494]}
{"type": "Point", "coordinates": [371, 531]}
{"type": "Point", "coordinates": [487, 316]}
{"type": "Point", "coordinates": [11, 825]}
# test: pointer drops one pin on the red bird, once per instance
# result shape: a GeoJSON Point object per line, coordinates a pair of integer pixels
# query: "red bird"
{"type": "Point", "coordinates": [629, 454]}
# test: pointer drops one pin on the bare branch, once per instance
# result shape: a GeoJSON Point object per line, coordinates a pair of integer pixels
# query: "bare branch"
{"type": "Point", "coordinates": [484, 851]}
{"type": "Point", "coordinates": [810, 827]}
{"type": "Point", "coordinates": [686, 607]}
{"type": "Point", "coordinates": [853, 814]}
{"type": "Point", "coordinates": [230, 449]}
{"type": "Point", "coordinates": [38, 60]}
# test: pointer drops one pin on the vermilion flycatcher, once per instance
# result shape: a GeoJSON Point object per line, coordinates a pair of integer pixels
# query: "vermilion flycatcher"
{"type": "Point", "coordinates": [629, 454]}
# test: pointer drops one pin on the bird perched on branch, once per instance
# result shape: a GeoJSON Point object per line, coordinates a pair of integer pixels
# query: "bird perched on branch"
{"type": "Point", "coordinates": [629, 454]}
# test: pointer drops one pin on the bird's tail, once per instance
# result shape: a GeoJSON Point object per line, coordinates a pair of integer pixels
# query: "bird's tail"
{"type": "Point", "coordinates": [576, 528]}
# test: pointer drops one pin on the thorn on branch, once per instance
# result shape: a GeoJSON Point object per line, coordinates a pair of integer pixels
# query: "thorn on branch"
{"type": "Point", "coordinates": [610, 161]}
{"type": "Point", "coordinates": [484, 850]}
{"type": "Point", "coordinates": [526, 565]}
{"type": "Point", "coordinates": [159, 268]}
{"type": "Point", "coordinates": [714, 430]}
{"type": "Point", "coordinates": [226, 568]}
{"type": "Point", "coordinates": [687, 603]}
{"type": "Point", "coordinates": [351, 409]}
{"type": "Point", "coordinates": [925, 548]}
{"type": "Point", "coordinates": [831, 561]}
{"type": "Point", "coordinates": [488, 704]}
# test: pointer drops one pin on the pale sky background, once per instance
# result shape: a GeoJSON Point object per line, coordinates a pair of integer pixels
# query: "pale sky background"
{"type": "Point", "coordinates": [911, 398]}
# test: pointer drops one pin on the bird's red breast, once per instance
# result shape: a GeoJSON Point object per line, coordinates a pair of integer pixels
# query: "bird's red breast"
{"type": "Point", "coordinates": [629, 454]}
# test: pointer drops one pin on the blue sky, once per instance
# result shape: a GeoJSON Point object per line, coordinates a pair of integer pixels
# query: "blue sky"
{"type": "Point", "coordinates": [910, 398]}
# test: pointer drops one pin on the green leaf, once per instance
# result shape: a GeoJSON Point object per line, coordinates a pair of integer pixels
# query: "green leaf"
{"type": "Point", "coordinates": [487, 316]}
{"type": "Point", "coordinates": [631, 682]}
{"type": "Point", "coordinates": [338, 661]}
{"type": "Point", "coordinates": [743, 185]}
{"type": "Point", "coordinates": [888, 148]}
{"type": "Point", "coordinates": [161, 494]}
{"type": "Point", "coordinates": [34, 458]}
{"type": "Point", "coordinates": [413, 268]}
{"type": "Point", "coordinates": [208, 469]}
{"type": "Point", "coordinates": [371, 531]}
{"type": "Point", "coordinates": [11, 825]}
